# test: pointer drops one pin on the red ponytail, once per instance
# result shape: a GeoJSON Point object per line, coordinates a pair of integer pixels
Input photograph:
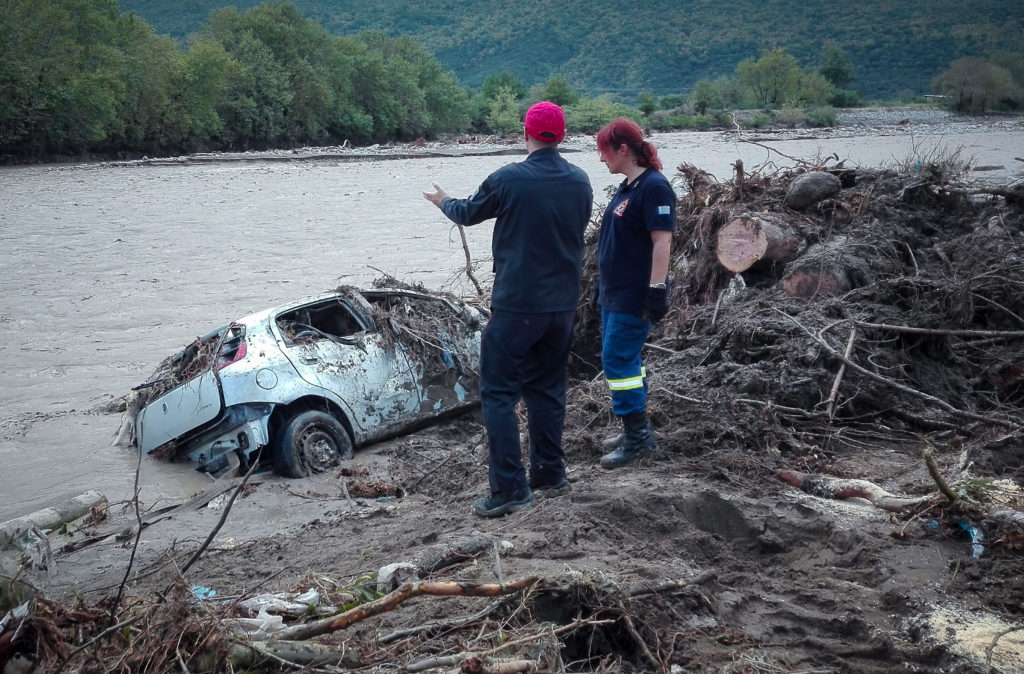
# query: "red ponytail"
{"type": "Point", "coordinates": [622, 131]}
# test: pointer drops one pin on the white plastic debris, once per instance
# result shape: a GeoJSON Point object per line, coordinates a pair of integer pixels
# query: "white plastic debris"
{"type": "Point", "coordinates": [391, 576]}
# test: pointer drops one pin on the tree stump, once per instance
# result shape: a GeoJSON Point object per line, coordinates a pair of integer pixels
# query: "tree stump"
{"type": "Point", "coordinates": [829, 268]}
{"type": "Point", "coordinates": [756, 239]}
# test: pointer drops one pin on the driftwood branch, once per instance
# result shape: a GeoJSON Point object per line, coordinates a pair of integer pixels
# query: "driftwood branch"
{"type": "Point", "coordinates": [469, 261]}
{"type": "Point", "coordinates": [1007, 334]}
{"type": "Point", "coordinates": [393, 599]}
{"type": "Point", "coordinates": [223, 517]}
{"type": "Point", "coordinates": [834, 393]}
{"type": "Point", "coordinates": [933, 470]}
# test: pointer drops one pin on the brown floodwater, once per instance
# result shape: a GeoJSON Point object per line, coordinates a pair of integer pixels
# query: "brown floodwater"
{"type": "Point", "coordinates": [107, 268]}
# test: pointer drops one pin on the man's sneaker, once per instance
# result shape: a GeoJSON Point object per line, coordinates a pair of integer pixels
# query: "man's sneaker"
{"type": "Point", "coordinates": [503, 503]}
{"type": "Point", "coordinates": [551, 490]}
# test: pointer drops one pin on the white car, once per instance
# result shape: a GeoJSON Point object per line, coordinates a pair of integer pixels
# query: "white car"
{"type": "Point", "coordinates": [308, 381]}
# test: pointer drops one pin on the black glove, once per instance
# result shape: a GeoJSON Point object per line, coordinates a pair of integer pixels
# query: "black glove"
{"type": "Point", "coordinates": [656, 303]}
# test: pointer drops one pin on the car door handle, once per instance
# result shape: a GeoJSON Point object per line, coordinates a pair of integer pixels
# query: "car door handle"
{"type": "Point", "coordinates": [310, 360]}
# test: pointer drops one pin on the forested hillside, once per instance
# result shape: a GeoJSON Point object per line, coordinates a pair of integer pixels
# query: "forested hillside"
{"type": "Point", "coordinates": [661, 46]}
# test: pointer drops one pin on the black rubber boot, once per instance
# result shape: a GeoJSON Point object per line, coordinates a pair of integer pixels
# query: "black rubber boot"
{"type": "Point", "coordinates": [637, 440]}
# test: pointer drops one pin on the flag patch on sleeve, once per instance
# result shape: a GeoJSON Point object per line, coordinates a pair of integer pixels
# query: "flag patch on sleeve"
{"type": "Point", "coordinates": [664, 210]}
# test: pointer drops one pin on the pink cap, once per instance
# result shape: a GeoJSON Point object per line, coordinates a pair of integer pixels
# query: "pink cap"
{"type": "Point", "coordinates": [546, 122]}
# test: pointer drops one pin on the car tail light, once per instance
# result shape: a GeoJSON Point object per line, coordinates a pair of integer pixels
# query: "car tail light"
{"type": "Point", "coordinates": [232, 346]}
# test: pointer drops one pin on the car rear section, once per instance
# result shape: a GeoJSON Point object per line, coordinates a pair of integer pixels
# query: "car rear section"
{"type": "Point", "coordinates": [181, 407]}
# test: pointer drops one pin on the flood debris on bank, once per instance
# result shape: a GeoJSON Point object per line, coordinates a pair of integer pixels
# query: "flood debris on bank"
{"type": "Point", "coordinates": [838, 393]}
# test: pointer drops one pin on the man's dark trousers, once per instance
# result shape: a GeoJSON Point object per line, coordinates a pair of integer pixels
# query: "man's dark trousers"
{"type": "Point", "coordinates": [524, 356]}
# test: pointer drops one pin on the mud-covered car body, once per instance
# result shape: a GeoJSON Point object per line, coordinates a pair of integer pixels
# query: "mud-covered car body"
{"type": "Point", "coordinates": [311, 379]}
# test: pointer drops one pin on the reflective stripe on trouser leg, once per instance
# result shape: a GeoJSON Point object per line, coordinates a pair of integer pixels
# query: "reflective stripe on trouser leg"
{"type": "Point", "coordinates": [622, 339]}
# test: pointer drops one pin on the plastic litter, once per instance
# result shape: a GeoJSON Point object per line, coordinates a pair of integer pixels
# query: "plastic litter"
{"type": "Point", "coordinates": [976, 537]}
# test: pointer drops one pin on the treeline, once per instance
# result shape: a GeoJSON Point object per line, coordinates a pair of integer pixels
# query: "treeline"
{"type": "Point", "coordinates": [661, 46]}
{"type": "Point", "coordinates": [78, 76]}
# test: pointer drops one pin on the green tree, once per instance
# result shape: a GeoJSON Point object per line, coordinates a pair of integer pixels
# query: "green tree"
{"type": "Point", "coordinates": [646, 104]}
{"type": "Point", "coordinates": [836, 66]}
{"type": "Point", "coordinates": [504, 111]}
{"type": "Point", "coordinates": [504, 79]}
{"type": "Point", "coordinates": [812, 89]}
{"type": "Point", "coordinates": [722, 93]}
{"type": "Point", "coordinates": [590, 114]}
{"type": "Point", "coordinates": [773, 79]}
{"type": "Point", "coordinates": [556, 90]}
{"type": "Point", "coordinates": [974, 85]}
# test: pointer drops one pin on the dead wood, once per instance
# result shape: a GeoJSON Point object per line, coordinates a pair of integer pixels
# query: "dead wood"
{"type": "Point", "coordinates": [288, 653]}
{"type": "Point", "coordinates": [906, 389]}
{"type": "Point", "coordinates": [751, 240]}
{"type": "Point", "coordinates": [469, 261]}
{"type": "Point", "coordinates": [825, 486]}
{"type": "Point", "coordinates": [393, 599]}
{"type": "Point", "coordinates": [439, 557]}
{"type": "Point", "coordinates": [828, 269]}
{"type": "Point", "coordinates": [933, 470]}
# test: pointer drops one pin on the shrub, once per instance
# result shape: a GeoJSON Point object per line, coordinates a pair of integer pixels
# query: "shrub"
{"type": "Point", "coordinates": [791, 116]}
{"type": "Point", "coordinates": [760, 121]}
{"type": "Point", "coordinates": [822, 115]}
{"type": "Point", "coordinates": [590, 114]}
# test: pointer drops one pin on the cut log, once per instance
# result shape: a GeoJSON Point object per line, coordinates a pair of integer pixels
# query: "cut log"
{"type": "Point", "coordinates": [756, 239]}
{"type": "Point", "coordinates": [825, 269]}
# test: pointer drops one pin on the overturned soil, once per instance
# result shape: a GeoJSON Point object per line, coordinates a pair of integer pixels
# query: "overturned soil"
{"type": "Point", "coordinates": [698, 558]}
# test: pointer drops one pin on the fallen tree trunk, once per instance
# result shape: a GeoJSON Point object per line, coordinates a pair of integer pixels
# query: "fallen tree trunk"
{"type": "Point", "coordinates": [756, 240]}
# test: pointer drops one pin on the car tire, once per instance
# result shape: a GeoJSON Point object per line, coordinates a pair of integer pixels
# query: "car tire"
{"type": "Point", "coordinates": [311, 442]}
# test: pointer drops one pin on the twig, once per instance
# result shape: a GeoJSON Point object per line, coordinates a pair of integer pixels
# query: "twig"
{"type": "Point", "coordinates": [135, 545]}
{"type": "Point", "coordinates": [681, 396]}
{"type": "Point", "coordinates": [223, 517]}
{"type": "Point", "coordinates": [933, 470]}
{"type": "Point", "coordinates": [438, 626]}
{"type": "Point", "coordinates": [434, 469]}
{"type": "Point", "coordinates": [830, 407]}
{"type": "Point", "coordinates": [497, 562]}
{"type": "Point", "coordinates": [641, 644]}
{"type": "Point", "coordinates": [449, 660]}
{"type": "Point", "coordinates": [995, 640]}
{"type": "Point", "coordinates": [469, 261]}
{"type": "Point", "coordinates": [898, 386]}
{"type": "Point", "coordinates": [1008, 334]}
{"type": "Point", "coordinates": [659, 348]}
{"type": "Point", "coordinates": [109, 630]}
{"type": "Point", "coordinates": [782, 408]}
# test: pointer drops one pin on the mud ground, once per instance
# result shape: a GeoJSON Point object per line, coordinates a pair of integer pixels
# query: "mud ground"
{"type": "Point", "coordinates": [800, 583]}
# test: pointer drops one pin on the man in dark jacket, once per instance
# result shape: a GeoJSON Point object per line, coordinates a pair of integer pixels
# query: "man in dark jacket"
{"type": "Point", "coordinates": [542, 206]}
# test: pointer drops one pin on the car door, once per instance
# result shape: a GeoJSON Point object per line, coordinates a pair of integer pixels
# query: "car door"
{"type": "Point", "coordinates": [444, 341]}
{"type": "Point", "coordinates": [331, 347]}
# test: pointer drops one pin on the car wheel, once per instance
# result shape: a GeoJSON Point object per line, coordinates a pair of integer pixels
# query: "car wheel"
{"type": "Point", "coordinates": [311, 442]}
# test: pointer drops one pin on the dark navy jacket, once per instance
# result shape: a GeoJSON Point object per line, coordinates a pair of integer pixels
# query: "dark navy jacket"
{"type": "Point", "coordinates": [542, 206]}
{"type": "Point", "coordinates": [624, 247]}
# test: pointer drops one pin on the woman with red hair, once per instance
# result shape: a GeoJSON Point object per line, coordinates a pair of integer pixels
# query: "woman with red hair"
{"type": "Point", "coordinates": [632, 256]}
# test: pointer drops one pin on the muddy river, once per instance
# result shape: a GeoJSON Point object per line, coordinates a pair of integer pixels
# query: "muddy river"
{"type": "Point", "coordinates": [108, 268]}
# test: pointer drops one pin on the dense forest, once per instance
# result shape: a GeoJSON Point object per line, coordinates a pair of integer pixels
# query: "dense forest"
{"type": "Point", "coordinates": [80, 77]}
{"type": "Point", "coordinates": [662, 46]}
